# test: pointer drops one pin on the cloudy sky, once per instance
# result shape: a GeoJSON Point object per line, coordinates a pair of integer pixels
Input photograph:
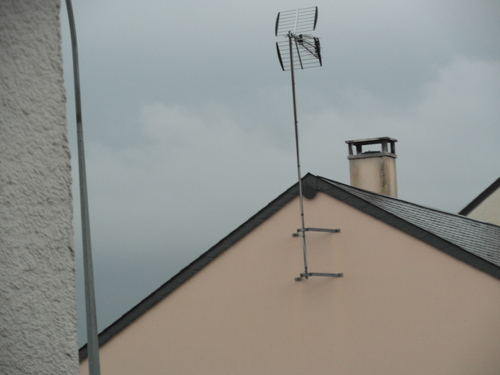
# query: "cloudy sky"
{"type": "Point", "coordinates": [189, 126]}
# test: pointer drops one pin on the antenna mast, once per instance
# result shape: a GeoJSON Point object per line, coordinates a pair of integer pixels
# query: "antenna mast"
{"type": "Point", "coordinates": [300, 51]}
{"type": "Point", "coordinates": [307, 54]}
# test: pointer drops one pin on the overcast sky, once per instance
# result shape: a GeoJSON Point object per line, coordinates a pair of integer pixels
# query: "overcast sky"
{"type": "Point", "coordinates": [188, 118]}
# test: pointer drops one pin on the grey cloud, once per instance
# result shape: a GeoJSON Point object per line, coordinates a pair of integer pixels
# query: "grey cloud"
{"type": "Point", "coordinates": [189, 128]}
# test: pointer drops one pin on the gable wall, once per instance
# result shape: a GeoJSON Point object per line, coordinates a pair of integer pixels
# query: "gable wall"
{"type": "Point", "coordinates": [489, 209]}
{"type": "Point", "coordinates": [401, 307]}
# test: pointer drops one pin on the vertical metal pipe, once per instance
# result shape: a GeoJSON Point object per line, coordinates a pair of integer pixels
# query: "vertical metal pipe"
{"type": "Point", "coordinates": [92, 337]}
{"type": "Point", "coordinates": [296, 123]}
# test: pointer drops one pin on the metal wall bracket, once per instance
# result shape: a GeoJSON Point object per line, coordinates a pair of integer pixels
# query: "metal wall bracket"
{"type": "Point", "coordinates": [296, 234]}
{"type": "Point", "coordinates": [322, 274]}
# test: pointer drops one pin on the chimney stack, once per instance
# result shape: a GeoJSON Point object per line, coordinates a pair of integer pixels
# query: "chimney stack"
{"type": "Point", "coordinates": [374, 170]}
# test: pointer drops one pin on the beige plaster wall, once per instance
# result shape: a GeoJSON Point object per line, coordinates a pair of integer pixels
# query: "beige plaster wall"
{"type": "Point", "coordinates": [489, 209]}
{"type": "Point", "coordinates": [401, 308]}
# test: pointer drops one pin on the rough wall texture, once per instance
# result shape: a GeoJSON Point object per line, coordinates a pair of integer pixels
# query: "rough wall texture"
{"type": "Point", "coordinates": [37, 293]}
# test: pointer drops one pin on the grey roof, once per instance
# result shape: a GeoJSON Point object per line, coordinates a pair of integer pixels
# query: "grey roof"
{"type": "Point", "coordinates": [473, 242]}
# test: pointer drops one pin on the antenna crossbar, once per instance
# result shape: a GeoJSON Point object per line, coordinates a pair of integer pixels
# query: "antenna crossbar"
{"type": "Point", "coordinates": [321, 274]}
{"type": "Point", "coordinates": [296, 234]}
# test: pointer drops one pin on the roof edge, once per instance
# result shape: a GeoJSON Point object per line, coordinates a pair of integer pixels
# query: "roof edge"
{"type": "Point", "coordinates": [192, 268]}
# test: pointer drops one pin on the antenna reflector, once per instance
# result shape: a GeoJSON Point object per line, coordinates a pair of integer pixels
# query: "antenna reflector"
{"type": "Point", "coordinates": [306, 52]}
{"type": "Point", "coordinates": [296, 21]}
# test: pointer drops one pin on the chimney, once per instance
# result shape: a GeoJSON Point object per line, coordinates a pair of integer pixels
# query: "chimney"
{"type": "Point", "coordinates": [374, 170]}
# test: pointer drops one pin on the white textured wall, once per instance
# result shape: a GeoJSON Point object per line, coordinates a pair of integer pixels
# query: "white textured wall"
{"type": "Point", "coordinates": [37, 293]}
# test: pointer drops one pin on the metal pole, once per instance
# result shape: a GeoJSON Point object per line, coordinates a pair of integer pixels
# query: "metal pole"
{"type": "Point", "coordinates": [92, 337]}
{"type": "Point", "coordinates": [296, 123]}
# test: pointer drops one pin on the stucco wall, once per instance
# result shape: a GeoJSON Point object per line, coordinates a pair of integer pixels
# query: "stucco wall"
{"type": "Point", "coordinates": [37, 293]}
{"type": "Point", "coordinates": [402, 307]}
{"type": "Point", "coordinates": [489, 209]}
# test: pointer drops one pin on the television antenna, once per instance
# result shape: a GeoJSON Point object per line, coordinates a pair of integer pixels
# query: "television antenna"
{"type": "Point", "coordinates": [300, 47]}
{"type": "Point", "coordinates": [300, 51]}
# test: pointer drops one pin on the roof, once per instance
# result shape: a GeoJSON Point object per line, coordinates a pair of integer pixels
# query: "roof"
{"type": "Point", "coordinates": [471, 241]}
{"type": "Point", "coordinates": [481, 198]}
{"type": "Point", "coordinates": [476, 238]}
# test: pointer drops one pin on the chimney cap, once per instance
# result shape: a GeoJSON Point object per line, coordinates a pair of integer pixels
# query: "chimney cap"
{"type": "Point", "coordinates": [384, 141]}
{"type": "Point", "coordinates": [371, 141]}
